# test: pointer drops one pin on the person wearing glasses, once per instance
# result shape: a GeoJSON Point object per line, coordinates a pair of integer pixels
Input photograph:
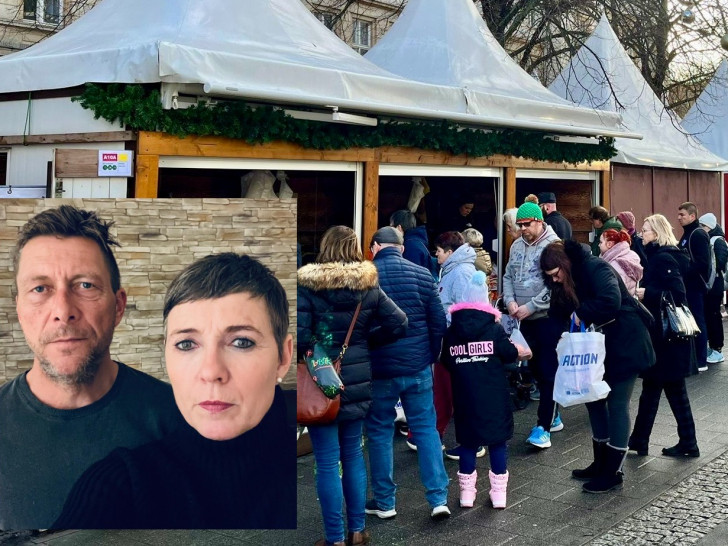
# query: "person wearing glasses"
{"type": "Point", "coordinates": [527, 299]}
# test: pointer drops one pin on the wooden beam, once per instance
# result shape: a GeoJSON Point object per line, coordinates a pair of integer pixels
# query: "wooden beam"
{"type": "Point", "coordinates": [371, 201]}
{"type": "Point", "coordinates": [605, 177]}
{"type": "Point", "coordinates": [147, 176]}
{"type": "Point", "coordinates": [509, 174]}
{"type": "Point", "coordinates": [73, 138]}
{"type": "Point", "coordinates": [206, 146]}
{"type": "Point", "coordinates": [76, 163]}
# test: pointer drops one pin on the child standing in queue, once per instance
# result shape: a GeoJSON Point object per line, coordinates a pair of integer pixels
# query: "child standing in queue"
{"type": "Point", "coordinates": [474, 350]}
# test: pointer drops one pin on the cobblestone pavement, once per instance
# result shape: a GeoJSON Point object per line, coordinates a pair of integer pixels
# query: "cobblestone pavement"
{"type": "Point", "coordinates": [684, 515]}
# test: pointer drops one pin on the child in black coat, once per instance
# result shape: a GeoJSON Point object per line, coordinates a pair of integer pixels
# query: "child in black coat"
{"type": "Point", "coordinates": [474, 350]}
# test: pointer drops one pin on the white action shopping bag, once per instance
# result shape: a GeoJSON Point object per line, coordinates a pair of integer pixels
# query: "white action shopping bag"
{"type": "Point", "coordinates": [579, 377]}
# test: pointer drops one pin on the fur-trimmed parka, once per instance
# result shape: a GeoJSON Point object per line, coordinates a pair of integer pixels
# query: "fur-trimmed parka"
{"type": "Point", "coordinates": [328, 294]}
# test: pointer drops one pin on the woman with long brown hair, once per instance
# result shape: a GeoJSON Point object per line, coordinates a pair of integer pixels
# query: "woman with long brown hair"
{"type": "Point", "coordinates": [586, 289]}
{"type": "Point", "coordinates": [329, 291]}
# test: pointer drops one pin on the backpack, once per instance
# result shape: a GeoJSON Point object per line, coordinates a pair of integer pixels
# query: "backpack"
{"type": "Point", "coordinates": [713, 266]}
{"type": "Point", "coordinates": [718, 271]}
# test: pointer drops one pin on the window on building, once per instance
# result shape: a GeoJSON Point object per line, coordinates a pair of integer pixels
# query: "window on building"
{"type": "Point", "coordinates": [3, 168]}
{"type": "Point", "coordinates": [326, 18]}
{"type": "Point", "coordinates": [362, 37]}
{"type": "Point", "coordinates": [29, 9]}
{"type": "Point", "coordinates": [42, 11]}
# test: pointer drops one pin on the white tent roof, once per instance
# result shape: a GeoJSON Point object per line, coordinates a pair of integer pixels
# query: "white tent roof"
{"type": "Point", "coordinates": [708, 118]}
{"type": "Point", "coordinates": [584, 82]}
{"type": "Point", "coordinates": [265, 50]}
{"type": "Point", "coordinates": [448, 43]}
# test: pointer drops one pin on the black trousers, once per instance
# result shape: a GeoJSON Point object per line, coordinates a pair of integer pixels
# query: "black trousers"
{"type": "Point", "coordinates": [713, 318]}
{"type": "Point", "coordinates": [542, 336]}
{"type": "Point", "coordinates": [696, 303]}
{"type": "Point", "coordinates": [677, 397]}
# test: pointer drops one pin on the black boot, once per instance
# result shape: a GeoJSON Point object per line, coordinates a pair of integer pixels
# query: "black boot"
{"type": "Point", "coordinates": [594, 469]}
{"type": "Point", "coordinates": [681, 451]}
{"type": "Point", "coordinates": [611, 477]}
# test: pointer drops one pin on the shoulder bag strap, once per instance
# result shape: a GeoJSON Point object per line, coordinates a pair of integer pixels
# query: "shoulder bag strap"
{"type": "Point", "coordinates": [345, 346]}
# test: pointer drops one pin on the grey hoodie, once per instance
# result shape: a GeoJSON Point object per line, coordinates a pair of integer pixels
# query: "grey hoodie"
{"type": "Point", "coordinates": [523, 280]}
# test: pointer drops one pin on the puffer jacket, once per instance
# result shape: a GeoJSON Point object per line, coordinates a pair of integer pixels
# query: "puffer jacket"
{"type": "Point", "coordinates": [605, 303]}
{"type": "Point", "coordinates": [721, 251]}
{"type": "Point", "coordinates": [626, 263]}
{"type": "Point", "coordinates": [414, 291]}
{"type": "Point", "coordinates": [327, 298]}
{"type": "Point", "coordinates": [455, 276]}
{"type": "Point", "coordinates": [474, 350]}
{"type": "Point", "coordinates": [523, 281]}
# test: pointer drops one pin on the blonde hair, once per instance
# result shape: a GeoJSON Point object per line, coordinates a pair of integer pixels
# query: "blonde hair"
{"type": "Point", "coordinates": [531, 198]}
{"type": "Point", "coordinates": [663, 230]}
{"type": "Point", "coordinates": [473, 237]}
{"type": "Point", "coordinates": [339, 244]}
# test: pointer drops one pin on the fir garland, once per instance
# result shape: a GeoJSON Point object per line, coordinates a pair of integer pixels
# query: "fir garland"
{"type": "Point", "coordinates": [139, 108]}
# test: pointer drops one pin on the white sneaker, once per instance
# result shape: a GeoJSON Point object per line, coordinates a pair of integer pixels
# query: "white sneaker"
{"type": "Point", "coordinates": [440, 512]}
{"type": "Point", "coordinates": [715, 357]}
{"type": "Point", "coordinates": [703, 368]}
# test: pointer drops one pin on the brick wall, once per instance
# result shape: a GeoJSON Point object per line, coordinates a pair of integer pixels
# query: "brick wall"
{"type": "Point", "coordinates": [159, 237]}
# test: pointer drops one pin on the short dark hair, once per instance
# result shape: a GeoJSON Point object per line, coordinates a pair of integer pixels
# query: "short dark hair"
{"type": "Point", "coordinates": [404, 218]}
{"type": "Point", "coordinates": [450, 240]}
{"type": "Point", "coordinates": [599, 213]}
{"type": "Point", "coordinates": [69, 221]}
{"type": "Point", "coordinates": [689, 207]}
{"type": "Point", "coordinates": [220, 275]}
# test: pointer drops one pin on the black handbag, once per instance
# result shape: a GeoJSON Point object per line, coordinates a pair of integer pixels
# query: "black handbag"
{"type": "Point", "coordinates": [677, 320]}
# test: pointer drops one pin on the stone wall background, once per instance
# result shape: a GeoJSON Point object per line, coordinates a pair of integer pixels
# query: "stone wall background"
{"type": "Point", "coordinates": [158, 237]}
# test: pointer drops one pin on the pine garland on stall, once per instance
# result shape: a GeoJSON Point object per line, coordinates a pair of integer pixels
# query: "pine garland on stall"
{"type": "Point", "coordinates": [139, 108]}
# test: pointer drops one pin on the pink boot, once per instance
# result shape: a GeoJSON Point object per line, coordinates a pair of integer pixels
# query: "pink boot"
{"type": "Point", "coordinates": [498, 487]}
{"type": "Point", "coordinates": [467, 489]}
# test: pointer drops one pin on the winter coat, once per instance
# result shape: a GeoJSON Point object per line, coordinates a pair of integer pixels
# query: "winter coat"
{"type": "Point", "coordinates": [666, 265]}
{"type": "Point", "coordinates": [638, 247]}
{"type": "Point", "coordinates": [697, 244]}
{"type": "Point", "coordinates": [414, 291]}
{"type": "Point", "coordinates": [626, 263]}
{"type": "Point", "coordinates": [560, 225]}
{"type": "Point", "coordinates": [482, 260]}
{"type": "Point", "coordinates": [605, 302]}
{"type": "Point", "coordinates": [611, 223]}
{"type": "Point", "coordinates": [417, 252]}
{"type": "Point", "coordinates": [474, 349]}
{"type": "Point", "coordinates": [327, 298]}
{"type": "Point", "coordinates": [455, 276]}
{"type": "Point", "coordinates": [523, 280]}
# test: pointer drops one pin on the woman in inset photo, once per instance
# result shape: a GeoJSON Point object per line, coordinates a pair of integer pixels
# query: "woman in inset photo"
{"type": "Point", "coordinates": [232, 463]}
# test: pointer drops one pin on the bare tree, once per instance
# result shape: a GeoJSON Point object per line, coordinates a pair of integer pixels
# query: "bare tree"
{"type": "Point", "coordinates": [674, 45]}
{"type": "Point", "coordinates": [23, 23]}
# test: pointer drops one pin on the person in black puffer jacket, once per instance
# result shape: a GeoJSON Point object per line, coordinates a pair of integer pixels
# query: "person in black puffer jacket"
{"type": "Point", "coordinates": [666, 267]}
{"type": "Point", "coordinates": [587, 288]}
{"type": "Point", "coordinates": [328, 294]}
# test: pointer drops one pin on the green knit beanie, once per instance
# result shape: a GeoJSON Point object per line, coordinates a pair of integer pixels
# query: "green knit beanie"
{"type": "Point", "coordinates": [529, 211]}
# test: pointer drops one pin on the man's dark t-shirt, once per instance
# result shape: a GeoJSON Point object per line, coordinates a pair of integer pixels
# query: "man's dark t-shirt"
{"type": "Point", "coordinates": [43, 451]}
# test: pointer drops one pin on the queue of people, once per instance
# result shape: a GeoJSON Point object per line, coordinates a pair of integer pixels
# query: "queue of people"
{"type": "Point", "coordinates": [448, 363]}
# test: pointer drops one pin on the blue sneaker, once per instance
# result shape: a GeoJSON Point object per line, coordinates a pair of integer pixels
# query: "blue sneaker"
{"type": "Point", "coordinates": [557, 424]}
{"type": "Point", "coordinates": [539, 438]}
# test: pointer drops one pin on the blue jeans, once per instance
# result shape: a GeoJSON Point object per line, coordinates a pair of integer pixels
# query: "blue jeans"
{"type": "Point", "coordinates": [415, 391]}
{"type": "Point", "coordinates": [331, 444]}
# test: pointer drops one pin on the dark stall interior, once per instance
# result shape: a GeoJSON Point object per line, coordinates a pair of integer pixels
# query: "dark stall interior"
{"type": "Point", "coordinates": [438, 208]}
{"type": "Point", "coordinates": [325, 198]}
{"type": "Point", "coordinates": [573, 200]}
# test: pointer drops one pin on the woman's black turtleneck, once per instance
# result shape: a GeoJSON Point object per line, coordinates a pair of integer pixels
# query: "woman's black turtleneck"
{"type": "Point", "coordinates": [186, 481]}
